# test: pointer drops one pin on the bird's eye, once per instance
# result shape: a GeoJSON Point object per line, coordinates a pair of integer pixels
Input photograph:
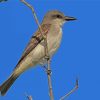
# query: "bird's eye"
{"type": "Point", "coordinates": [59, 16]}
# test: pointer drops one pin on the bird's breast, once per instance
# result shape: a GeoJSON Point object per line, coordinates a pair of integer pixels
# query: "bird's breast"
{"type": "Point", "coordinates": [54, 39]}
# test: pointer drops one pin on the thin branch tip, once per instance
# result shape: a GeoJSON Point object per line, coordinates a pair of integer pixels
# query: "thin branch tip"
{"type": "Point", "coordinates": [72, 91]}
{"type": "Point", "coordinates": [77, 83]}
{"type": "Point", "coordinates": [29, 97]}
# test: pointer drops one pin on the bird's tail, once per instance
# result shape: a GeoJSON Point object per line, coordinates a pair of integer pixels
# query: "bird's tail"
{"type": "Point", "coordinates": [7, 84]}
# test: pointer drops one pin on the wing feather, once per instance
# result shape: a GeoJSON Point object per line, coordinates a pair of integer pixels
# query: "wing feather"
{"type": "Point", "coordinates": [34, 41]}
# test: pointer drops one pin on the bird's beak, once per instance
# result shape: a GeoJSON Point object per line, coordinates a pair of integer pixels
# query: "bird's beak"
{"type": "Point", "coordinates": [67, 18]}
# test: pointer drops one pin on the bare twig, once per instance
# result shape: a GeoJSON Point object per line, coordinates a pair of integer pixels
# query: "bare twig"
{"type": "Point", "coordinates": [29, 97]}
{"type": "Point", "coordinates": [49, 81]}
{"type": "Point", "coordinates": [35, 16]}
{"type": "Point", "coordinates": [72, 91]}
{"type": "Point", "coordinates": [46, 50]}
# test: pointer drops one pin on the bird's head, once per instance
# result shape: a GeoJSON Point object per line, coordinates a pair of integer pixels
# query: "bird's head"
{"type": "Point", "coordinates": [57, 17]}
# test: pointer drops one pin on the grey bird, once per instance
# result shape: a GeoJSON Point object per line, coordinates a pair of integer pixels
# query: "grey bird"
{"type": "Point", "coordinates": [35, 53]}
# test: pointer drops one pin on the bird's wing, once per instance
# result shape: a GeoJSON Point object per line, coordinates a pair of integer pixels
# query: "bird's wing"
{"type": "Point", "coordinates": [34, 41]}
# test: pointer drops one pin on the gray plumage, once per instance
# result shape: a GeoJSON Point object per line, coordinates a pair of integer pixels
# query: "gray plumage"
{"type": "Point", "coordinates": [34, 53]}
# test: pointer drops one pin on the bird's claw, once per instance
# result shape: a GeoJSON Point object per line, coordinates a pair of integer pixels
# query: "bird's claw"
{"type": "Point", "coordinates": [49, 72]}
{"type": "Point", "coordinates": [47, 57]}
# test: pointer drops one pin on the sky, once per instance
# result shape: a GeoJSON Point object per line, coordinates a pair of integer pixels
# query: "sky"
{"type": "Point", "coordinates": [78, 55]}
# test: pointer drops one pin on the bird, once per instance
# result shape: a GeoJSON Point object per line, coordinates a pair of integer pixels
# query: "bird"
{"type": "Point", "coordinates": [34, 52]}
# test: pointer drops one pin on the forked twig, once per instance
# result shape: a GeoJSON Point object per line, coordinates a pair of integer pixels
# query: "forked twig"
{"type": "Point", "coordinates": [35, 16]}
{"type": "Point", "coordinates": [46, 50]}
{"type": "Point", "coordinates": [72, 91]}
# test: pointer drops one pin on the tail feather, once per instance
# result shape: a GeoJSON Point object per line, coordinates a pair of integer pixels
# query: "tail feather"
{"type": "Point", "coordinates": [7, 84]}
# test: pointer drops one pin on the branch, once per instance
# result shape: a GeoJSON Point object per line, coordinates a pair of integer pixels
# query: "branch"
{"type": "Point", "coordinates": [72, 91]}
{"type": "Point", "coordinates": [46, 50]}
{"type": "Point", "coordinates": [28, 96]}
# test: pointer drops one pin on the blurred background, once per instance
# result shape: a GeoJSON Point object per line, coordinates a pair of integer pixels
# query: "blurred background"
{"type": "Point", "coordinates": [78, 55]}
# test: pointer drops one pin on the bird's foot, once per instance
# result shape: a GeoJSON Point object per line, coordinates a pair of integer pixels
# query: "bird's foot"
{"type": "Point", "coordinates": [47, 57]}
{"type": "Point", "coordinates": [49, 72]}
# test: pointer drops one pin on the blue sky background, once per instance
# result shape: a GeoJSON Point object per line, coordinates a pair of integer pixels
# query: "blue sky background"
{"type": "Point", "coordinates": [78, 55]}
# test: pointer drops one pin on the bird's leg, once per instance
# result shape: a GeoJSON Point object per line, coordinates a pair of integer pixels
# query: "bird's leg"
{"type": "Point", "coordinates": [47, 68]}
{"type": "Point", "coordinates": [48, 71]}
{"type": "Point", "coordinates": [47, 57]}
